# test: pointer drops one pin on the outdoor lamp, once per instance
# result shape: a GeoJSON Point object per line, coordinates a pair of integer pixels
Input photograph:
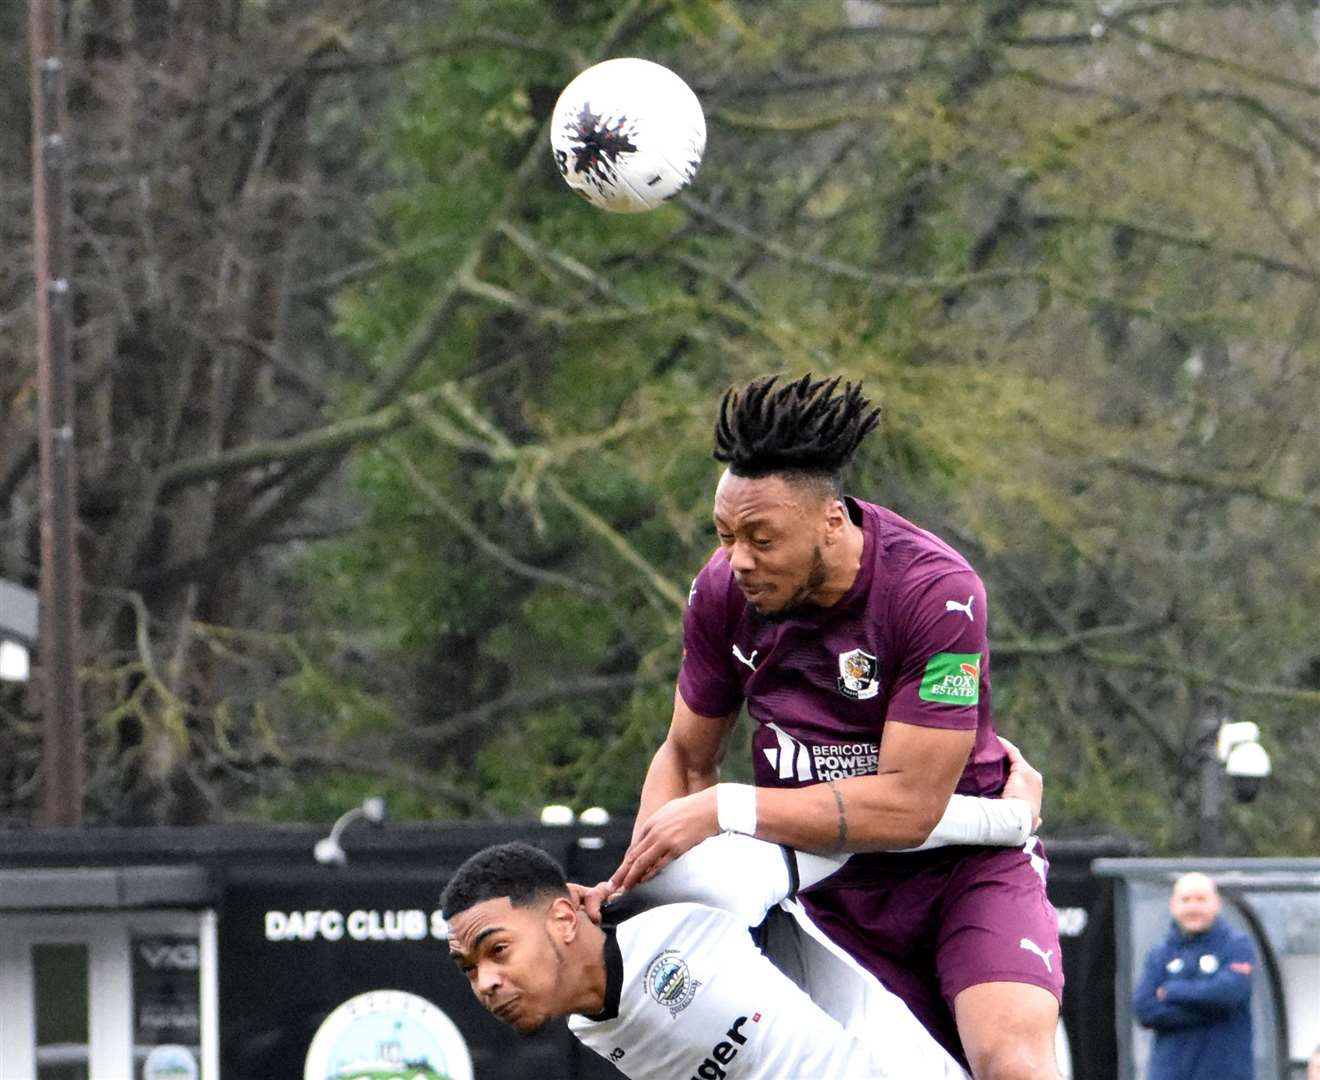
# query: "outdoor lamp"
{"type": "Point", "coordinates": [329, 851]}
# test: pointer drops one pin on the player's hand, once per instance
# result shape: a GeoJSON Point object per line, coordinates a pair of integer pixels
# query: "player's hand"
{"type": "Point", "coordinates": [591, 898]}
{"type": "Point", "coordinates": [676, 827]}
{"type": "Point", "coordinates": [1024, 781]}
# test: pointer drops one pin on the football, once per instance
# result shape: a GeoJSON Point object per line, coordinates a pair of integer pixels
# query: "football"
{"type": "Point", "coordinates": [627, 134]}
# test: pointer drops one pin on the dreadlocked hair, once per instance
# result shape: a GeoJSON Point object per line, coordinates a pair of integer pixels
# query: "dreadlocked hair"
{"type": "Point", "coordinates": [800, 427]}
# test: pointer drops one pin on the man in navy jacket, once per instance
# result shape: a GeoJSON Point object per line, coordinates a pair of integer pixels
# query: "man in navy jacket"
{"type": "Point", "coordinates": [1195, 992]}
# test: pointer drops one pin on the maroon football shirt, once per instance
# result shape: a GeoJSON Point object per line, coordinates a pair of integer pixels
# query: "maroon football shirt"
{"type": "Point", "coordinates": [907, 642]}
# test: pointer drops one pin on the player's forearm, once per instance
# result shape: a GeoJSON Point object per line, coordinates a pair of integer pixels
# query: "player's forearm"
{"type": "Point", "coordinates": [971, 819]}
{"type": "Point", "coordinates": [738, 874]}
{"type": "Point", "coordinates": [862, 813]}
{"type": "Point", "coordinates": [672, 775]}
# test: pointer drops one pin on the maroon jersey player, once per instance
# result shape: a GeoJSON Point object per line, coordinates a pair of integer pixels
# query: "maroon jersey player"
{"type": "Point", "coordinates": [858, 643]}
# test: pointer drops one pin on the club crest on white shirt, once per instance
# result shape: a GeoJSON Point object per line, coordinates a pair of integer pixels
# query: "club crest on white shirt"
{"type": "Point", "coordinates": [857, 675]}
{"type": "Point", "coordinates": [670, 983]}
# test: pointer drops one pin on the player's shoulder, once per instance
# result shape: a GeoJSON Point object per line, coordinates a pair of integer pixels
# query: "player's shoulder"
{"type": "Point", "coordinates": [681, 927]}
{"type": "Point", "coordinates": [715, 570]}
{"type": "Point", "coordinates": [914, 561]}
{"type": "Point", "coordinates": [908, 548]}
{"type": "Point", "coordinates": [714, 587]}
{"type": "Point", "coordinates": [663, 918]}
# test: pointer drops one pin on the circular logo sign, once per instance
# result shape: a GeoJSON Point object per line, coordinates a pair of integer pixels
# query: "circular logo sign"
{"type": "Point", "coordinates": [170, 1062]}
{"type": "Point", "coordinates": [670, 983]}
{"type": "Point", "coordinates": [388, 1035]}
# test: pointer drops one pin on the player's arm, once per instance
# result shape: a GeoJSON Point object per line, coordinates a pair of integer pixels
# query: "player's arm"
{"type": "Point", "coordinates": [738, 874]}
{"type": "Point", "coordinates": [930, 728]}
{"type": "Point", "coordinates": [688, 760]}
{"type": "Point", "coordinates": [706, 700]}
{"type": "Point", "coordinates": [747, 877]}
{"type": "Point", "coordinates": [686, 764]}
{"type": "Point", "coordinates": [895, 808]}
{"type": "Point", "coordinates": [1005, 821]}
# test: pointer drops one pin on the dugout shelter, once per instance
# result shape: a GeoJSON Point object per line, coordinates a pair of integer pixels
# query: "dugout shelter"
{"type": "Point", "coordinates": [230, 952]}
{"type": "Point", "coordinates": [1276, 903]}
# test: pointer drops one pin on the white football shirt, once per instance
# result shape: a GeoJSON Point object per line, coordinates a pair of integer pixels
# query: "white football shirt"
{"type": "Point", "coordinates": [697, 999]}
{"type": "Point", "coordinates": [691, 997]}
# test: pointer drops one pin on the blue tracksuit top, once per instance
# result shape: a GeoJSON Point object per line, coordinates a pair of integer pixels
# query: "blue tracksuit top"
{"type": "Point", "coordinates": [1203, 1024]}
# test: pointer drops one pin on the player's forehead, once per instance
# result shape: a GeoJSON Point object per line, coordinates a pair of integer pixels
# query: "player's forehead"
{"type": "Point", "coordinates": [744, 501]}
{"type": "Point", "coordinates": [469, 928]}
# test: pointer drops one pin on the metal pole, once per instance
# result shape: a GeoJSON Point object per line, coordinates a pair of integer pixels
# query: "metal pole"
{"type": "Point", "coordinates": [1211, 825]}
{"type": "Point", "coordinates": [62, 750]}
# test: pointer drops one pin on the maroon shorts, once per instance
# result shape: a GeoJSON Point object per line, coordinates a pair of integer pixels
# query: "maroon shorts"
{"type": "Point", "coordinates": [930, 925]}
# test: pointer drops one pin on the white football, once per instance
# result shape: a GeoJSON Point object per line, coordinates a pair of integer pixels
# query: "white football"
{"type": "Point", "coordinates": [628, 134]}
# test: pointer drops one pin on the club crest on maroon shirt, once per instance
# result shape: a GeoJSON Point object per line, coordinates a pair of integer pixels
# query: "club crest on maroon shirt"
{"type": "Point", "coordinates": [857, 675]}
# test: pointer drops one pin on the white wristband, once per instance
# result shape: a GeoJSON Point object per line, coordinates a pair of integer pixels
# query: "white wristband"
{"type": "Point", "coordinates": [735, 807]}
{"type": "Point", "coordinates": [969, 819]}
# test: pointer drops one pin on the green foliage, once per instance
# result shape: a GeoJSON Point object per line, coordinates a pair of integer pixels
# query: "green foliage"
{"type": "Point", "coordinates": [1057, 256]}
{"type": "Point", "coordinates": [338, 790]}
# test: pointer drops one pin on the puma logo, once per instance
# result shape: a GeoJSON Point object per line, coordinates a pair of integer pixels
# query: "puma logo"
{"type": "Point", "coordinates": [750, 661]}
{"type": "Point", "coordinates": [966, 609]}
{"type": "Point", "coordinates": [1031, 946]}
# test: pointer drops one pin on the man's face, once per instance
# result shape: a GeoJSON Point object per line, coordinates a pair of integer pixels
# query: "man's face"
{"type": "Point", "coordinates": [772, 532]}
{"type": "Point", "coordinates": [512, 961]}
{"type": "Point", "coordinates": [1194, 904]}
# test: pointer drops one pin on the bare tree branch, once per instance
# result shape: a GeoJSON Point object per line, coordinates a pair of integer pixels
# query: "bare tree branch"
{"type": "Point", "coordinates": [1199, 241]}
{"type": "Point", "coordinates": [397, 257]}
{"type": "Point", "coordinates": [448, 728]}
{"type": "Point", "coordinates": [1077, 639]}
{"type": "Point", "coordinates": [309, 759]}
{"type": "Point", "coordinates": [1123, 25]}
{"type": "Point", "coordinates": [812, 82]}
{"type": "Point", "coordinates": [797, 123]}
{"type": "Point", "coordinates": [835, 268]}
{"type": "Point", "coordinates": [602, 528]}
{"type": "Point", "coordinates": [1221, 483]}
{"type": "Point", "coordinates": [305, 479]}
{"type": "Point", "coordinates": [337, 436]}
{"type": "Point", "coordinates": [1134, 662]}
{"type": "Point", "coordinates": [577, 269]}
{"type": "Point", "coordinates": [457, 45]}
{"type": "Point", "coordinates": [1285, 126]}
{"type": "Point", "coordinates": [476, 537]}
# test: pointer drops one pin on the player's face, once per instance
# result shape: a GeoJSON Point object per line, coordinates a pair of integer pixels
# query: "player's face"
{"type": "Point", "coordinates": [1194, 905]}
{"type": "Point", "coordinates": [512, 962]}
{"type": "Point", "coordinates": [772, 532]}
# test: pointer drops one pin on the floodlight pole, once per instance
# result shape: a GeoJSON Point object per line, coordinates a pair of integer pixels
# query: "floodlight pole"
{"type": "Point", "coordinates": [62, 748]}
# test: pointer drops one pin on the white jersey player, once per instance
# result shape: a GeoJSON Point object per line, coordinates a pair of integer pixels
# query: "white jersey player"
{"type": "Point", "coordinates": [672, 986]}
